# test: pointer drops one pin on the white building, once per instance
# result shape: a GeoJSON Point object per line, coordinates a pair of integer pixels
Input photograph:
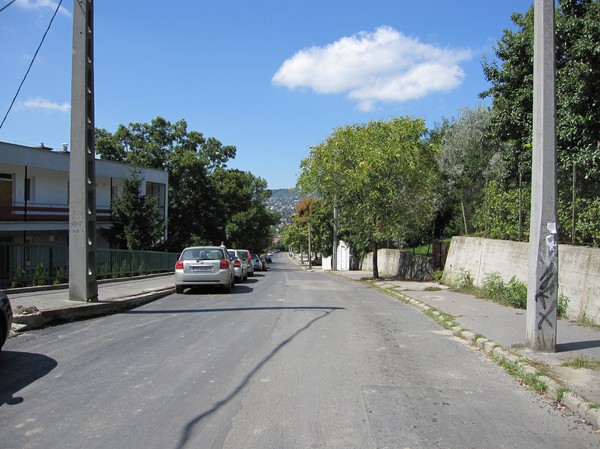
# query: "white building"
{"type": "Point", "coordinates": [34, 193]}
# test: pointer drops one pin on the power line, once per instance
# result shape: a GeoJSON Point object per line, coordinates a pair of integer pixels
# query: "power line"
{"type": "Point", "coordinates": [30, 64]}
{"type": "Point", "coordinates": [7, 5]}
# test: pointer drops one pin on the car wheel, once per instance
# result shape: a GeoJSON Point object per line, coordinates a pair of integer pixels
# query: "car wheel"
{"type": "Point", "coordinates": [2, 334]}
{"type": "Point", "coordinates": [227, 287]}
{"type": "Point", "coordinates": [179, 289]}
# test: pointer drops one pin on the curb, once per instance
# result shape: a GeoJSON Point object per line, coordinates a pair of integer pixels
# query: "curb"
{"type": "Point", "coordinates": [47, 317]}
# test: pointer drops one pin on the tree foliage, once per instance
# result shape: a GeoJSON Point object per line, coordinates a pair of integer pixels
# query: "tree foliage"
{"type": "Point", "coordinates": [577, 114]}
{"type": "Point", "coordinates": [577, 89]}
{"type": "Point", "coordinates": [137, 224]}
{"type": "Point", "coordinates": [208, 203]}
{"type": "Point", "coordinates": [468, 159]}
{"type": "Point", "coordinates": [380, 176]}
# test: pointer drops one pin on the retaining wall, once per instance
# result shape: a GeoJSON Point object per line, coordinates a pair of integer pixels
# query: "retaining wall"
{"type": "Point", "coordinates": [578, 269]}
{"type": "Point", "coordinates": [406, 265]}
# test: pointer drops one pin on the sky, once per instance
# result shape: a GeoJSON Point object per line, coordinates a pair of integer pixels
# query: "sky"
{"type": "Point", "coordinates": [271, 78]}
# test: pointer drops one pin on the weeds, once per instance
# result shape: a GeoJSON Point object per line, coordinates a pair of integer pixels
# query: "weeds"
{"type": "Point", "coordinates": [582, 362]}
{"type": "Point", "coordinates": [531, 380]}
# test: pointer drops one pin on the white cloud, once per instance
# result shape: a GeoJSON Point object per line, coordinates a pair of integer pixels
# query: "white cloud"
{"type": "Point", "coordinates": [41, 103]}
{"type": "Point", "coordinates": [382, 66]}
{"type": "Point", "coordinates": [42, 4]}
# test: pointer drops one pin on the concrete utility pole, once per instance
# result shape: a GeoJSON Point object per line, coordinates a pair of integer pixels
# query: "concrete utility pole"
{"type": "Point", "coordinates": [82, 175]}
{"type": "Point", "coordinates": [542, 289]}
{"type": "Point", "coordinates": [334, 255]}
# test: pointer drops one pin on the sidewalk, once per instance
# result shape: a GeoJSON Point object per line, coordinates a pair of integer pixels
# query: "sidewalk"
{"type": "Point", "coordinates": [504, 336]}
{"type": "Point", "coordinates": [36, 307]}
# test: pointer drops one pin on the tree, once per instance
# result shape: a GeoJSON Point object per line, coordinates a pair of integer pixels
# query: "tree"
{"type": "Point", "coordinates": [578, 96]}
{"type": "Point", "coordinates": [467, 159]}
{"type": "Point", "coordinates": [190, 158]}
{"type": "Point", "coordinates": [136, 218]}
{"type": "Point", "coordinates": [578, 86]}
{"type": "Point", "coordinates": [380, 174]}
{"type": "Point", "coordinates": [317, 214]}
{"type": "Point", "coordinates": [241, 203]}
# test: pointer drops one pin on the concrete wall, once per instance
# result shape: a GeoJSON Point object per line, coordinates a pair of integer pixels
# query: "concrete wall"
{"type": "Point", "coordinates": [394, 262]}
{"type": "Point", "coordinates": [578, 269]}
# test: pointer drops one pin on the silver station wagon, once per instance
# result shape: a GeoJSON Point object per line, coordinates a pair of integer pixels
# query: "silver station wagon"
{"type": "Point", "coordinates": [204, 265]}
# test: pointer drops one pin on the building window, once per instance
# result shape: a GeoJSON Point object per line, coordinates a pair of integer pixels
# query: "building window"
{"type": "Point", "coordinates": [157, 191]}
{"type": "Point", "coordinates": [30, 189]}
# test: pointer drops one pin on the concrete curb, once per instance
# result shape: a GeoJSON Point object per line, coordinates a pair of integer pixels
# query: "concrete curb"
{"type": "Point", "coordinates": [577, 404]}
{"type": "Point", "coordinates": [43, 318]}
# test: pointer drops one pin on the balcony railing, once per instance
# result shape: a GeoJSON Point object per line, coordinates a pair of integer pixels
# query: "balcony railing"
{"type": "Point", "coordinates": [44, 212]}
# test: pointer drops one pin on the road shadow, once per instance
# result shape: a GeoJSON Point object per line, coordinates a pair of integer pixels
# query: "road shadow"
{"type": "Point", "coordinates": [232, 309]}
{"type": "Point", "coordinates": [188, 430]}
{"type": "Point", "coordinates": [20, 369]}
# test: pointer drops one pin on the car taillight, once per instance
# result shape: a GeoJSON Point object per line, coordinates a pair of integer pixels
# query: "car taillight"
{"type": "Point", "coordinates": [236, 263]}
{"type": "Point", "coordinates": [179, 265]}
{"type": "Point", "coordinates": [224, 264]}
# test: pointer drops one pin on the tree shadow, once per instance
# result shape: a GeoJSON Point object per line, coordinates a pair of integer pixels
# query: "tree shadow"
{"type": "Point", "coordinates": [189, 428]}
{"type": "Point", "coordinates": [20, 369]}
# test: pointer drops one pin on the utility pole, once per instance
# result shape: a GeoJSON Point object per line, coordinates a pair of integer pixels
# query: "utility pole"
{"type": "Point", "coordinates": [334, 256]}
{"type": "Point", "coordinates": [542, 285]}
{"type": "Point", "coordinates": [82, 174]}
{"type": "Point", "coordinates": [309, 247]}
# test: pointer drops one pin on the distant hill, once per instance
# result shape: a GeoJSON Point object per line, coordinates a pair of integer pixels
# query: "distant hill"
{"type": "Point", "coordinates": [284, 202]}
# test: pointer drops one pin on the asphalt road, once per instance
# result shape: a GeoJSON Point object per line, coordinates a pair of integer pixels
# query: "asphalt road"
{"type": "Point", "coordinates": [291, 359]}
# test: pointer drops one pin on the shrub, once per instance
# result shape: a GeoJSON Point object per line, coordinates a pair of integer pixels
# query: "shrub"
{"type": "Point", "coordinates": [18, 279]}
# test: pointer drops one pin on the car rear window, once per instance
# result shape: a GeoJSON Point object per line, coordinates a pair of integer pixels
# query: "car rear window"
{"type": "Point", "coordinates": [202, 254]}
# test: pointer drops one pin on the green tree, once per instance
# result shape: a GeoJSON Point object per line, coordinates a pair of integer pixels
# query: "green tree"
{"type": "Point", "coordinates": [578, 87]}
{"type": "Point", "coordinates": [190, 158]}
{"type": "Point", "coordinates": [578, 96]}
{"type": "Point", "coordinates": [136, 218]}
{"type": "Point", "coordinates": [380, 175]}
{"type": "Point", "coordinates": [467, 159]}
{"type": "Point", "coordinates": [319, 215]}
{"type": "Point", "coordinates": [241, 203]}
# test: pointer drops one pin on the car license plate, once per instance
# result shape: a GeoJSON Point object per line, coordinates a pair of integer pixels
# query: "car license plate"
{"type": "Point", "coordinates": [202, 268]}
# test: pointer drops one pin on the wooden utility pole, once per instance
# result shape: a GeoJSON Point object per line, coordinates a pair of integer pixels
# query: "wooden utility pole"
{"type": "Point", "coordinates": [542, 286]}
{"type": "Point", "coordinates": [82, 177]}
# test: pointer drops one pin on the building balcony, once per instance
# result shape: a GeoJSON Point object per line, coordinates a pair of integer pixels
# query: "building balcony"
{"type": "Point", "coordinates": [44, 212]}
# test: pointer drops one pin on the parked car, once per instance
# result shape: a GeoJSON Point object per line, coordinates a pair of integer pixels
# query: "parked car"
{"type": "Point", "coordinates": [241, 269]}
{"type": "Point", "coordinates": [269, 257]}
{"type": "Point", "coordinates": [6, 316]}
{"type": "Point", "coordinates": [317, 261]}
{"type": "Point", "coordinates": [265, 265]}
{"type": "Point", "coordinates": [256, 262]}
{"type": "Point", "coordinates": [204, 265]}
{"type": "Point", "coordinates": [250, 264]}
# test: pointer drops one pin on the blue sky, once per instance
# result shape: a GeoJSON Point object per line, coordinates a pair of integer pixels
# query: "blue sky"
{"type": "Point", "coordinates": [270, 77]}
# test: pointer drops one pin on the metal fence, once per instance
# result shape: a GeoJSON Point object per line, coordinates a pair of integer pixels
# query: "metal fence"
{"type": "Point", "coordinates": [23, 265]}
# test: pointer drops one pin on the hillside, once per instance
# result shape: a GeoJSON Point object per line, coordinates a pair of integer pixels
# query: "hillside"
{"type": "Point", "coordinates": [283, 201]}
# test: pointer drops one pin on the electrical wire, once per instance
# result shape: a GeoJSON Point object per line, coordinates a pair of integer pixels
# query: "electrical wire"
{"type": "Point", "coordinates": [30, 64]}
{"type": "Point", "coordinates": [7, 5]}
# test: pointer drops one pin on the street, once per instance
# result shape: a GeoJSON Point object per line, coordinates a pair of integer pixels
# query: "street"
{"type": "Point", "coordinates": [291, 359]}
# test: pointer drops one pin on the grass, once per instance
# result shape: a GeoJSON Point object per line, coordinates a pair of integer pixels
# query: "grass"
{"type": "Point", "coordinates": [512, 293]}
{"type": "Point", "coordinates": [531, 380]}
{"type": "Point", "coordinates": [582, 362]}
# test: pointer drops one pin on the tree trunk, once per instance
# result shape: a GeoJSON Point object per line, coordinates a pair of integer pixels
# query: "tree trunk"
{"type": "Point", "coordinates": [375, 267]}
{"type": "Point", "coordinates": [464, 214]}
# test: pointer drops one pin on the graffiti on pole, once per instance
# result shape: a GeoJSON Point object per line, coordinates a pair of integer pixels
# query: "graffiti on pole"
{"type": "Point", "coordinates": [548, 282]}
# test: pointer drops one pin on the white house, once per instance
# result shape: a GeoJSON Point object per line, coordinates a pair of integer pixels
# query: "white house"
{"type": "Point", "coordinates": [34, 193]}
